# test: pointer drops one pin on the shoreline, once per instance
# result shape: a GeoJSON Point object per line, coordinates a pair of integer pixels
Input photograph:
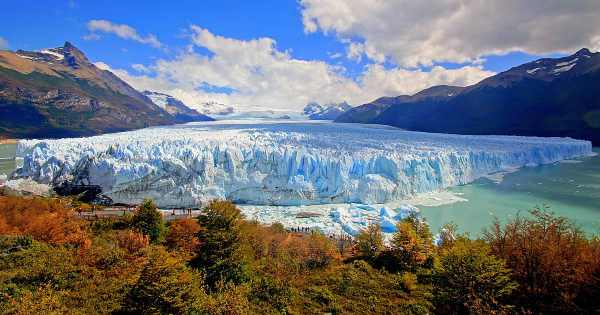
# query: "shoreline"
{"type": "Point", "coordinates": [9, 141]}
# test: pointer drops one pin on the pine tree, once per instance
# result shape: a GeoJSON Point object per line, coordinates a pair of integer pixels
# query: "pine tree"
{"type": "Point", "coordinates": [218, 254]}
{"type": "Point", "coordinates": [148, 220]}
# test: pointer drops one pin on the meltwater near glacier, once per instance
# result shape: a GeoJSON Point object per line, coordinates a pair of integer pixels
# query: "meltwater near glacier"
{"type": "Point", "coordinates": [281, 163]}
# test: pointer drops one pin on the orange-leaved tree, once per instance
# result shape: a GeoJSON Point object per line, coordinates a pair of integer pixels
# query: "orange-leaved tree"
{"type": "Point", "coordinates": [551, 259]}
{"type": "Point", "coordinates": [48, 220]}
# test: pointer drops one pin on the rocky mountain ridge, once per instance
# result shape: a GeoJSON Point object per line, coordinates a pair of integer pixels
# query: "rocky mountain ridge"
{"type": "Point", "coordinates": [58, 92]}
{"type": "Point", "coordinates": [316, 111]}
{"type": "Point", "coordinates": [546, 97]}
{"type": "Point", "coordinates": [176, 108]}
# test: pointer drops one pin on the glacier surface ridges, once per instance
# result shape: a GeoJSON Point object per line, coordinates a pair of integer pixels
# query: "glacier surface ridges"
{"type": "Point", "coordinates": [281, 162]}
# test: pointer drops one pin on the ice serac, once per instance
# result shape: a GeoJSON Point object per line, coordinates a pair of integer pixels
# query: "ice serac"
{"type": "Point", "coordinates": [281, 163]}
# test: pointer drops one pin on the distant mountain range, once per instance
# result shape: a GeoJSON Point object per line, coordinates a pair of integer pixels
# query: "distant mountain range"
{"type": "Point", "coordinates": [176, 108]}
{"type": "Point", "coordinates": [215, 108]}
{"type": "Point", "coordinates": [316, 111]}
{"type": "Point", "coordinates": [58, 92]}
{"type": "Point", "coordinates": [546, 97]}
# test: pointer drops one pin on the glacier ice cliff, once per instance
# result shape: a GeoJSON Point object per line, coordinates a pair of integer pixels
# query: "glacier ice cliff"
{"type": "Point", "coordinates": [281, 162]}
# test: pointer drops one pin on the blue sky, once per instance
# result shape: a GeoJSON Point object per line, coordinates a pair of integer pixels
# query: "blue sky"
{"type": "Point", "coordinates": [41, 24]}
{"type": "Point", "coordinates": [388, 46]}
{"type": "Point", "coordinates": [34, 25]}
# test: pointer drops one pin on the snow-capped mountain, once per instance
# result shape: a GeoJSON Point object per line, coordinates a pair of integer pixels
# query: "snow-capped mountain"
{"type": "Point", "coordinates": [175, 107]}
{"type": "Point", "coordinates": [316, 111]}
{"type": "Point", "coordinates": [58, 92]}
{"type": "Point", "coordinates": [546, 97]}
{"type": "Point", "coordinates": [215, 108]}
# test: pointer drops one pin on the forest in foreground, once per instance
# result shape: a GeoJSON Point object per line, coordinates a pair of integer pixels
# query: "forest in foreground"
{"type": "Point", "coordinates": [53, 261]}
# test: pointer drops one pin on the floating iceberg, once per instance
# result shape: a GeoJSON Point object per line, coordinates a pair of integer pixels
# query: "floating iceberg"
{"type": "Point", "coordinates": [286, 163]}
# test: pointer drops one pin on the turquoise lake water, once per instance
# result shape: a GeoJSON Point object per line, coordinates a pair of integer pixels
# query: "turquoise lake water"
{"type": "Point", "coordinates": [569, 189]}
{"type": "Point", "coordinates": [7, 154]}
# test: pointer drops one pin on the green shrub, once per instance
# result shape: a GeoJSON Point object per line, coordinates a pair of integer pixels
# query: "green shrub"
{"type": "Point", "coordinates": [148, 220]}
{"type": "Point", "coordinates": [218, 254]}
{"type": "Point", "coordinates": [166, 286]}
{"type": "Point", "coordinates": [470, 280]}
{"type": "Point", "coordinates": [267, 290]}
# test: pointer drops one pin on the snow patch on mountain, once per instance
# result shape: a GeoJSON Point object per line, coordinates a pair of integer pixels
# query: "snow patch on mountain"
{"type": "Point", "coordinates": [534, 70]}
{"type": "Point", "coordinates": [212, 108]}
{"type": "Point", "coordinates": [562, 64]}
{"type": "Point", "coordinates": [316, 111]}
{"type": "Point", "coordinates": [161, 100]}
{"type": "Point", "coordinates": [564, 68]}
{"type": "Point", "coordinates": [175, 107]}
{"type": "Point", "coordinates": [281, 163]}
{"type": "Point", "coordinates": [58, 56]}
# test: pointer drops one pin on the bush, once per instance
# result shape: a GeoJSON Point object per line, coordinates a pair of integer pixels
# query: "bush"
{"type": "Point", "coordinates": [369, 242]}
{"type": "Point", "coordinates": [230, 299]}
{"type": "Point", "coordinates": [166, 286]}
{"type": "Point", "coordinates": [133, 242]}
{"type": "Point", "coordinates": [182, 235]}
{"type": "Point", "coordinates": [268, 290]}
{"type": "Point", "coordinates": [148, 220]}
{"type": "Point", "coordinates": [408, 281]}
{"type": "Point", "coordinates": [321, 251]}
{"type": "Point", "coordinates": [358, 288]}
{"type": "Point", "coordinates": [323, 296]}
{"type": "Point", "coordinates": [470, 280]}
{"type": "Point", "coordinates": [51, 279]}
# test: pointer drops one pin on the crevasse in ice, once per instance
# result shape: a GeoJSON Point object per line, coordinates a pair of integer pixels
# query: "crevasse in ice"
{"type": "Point", "coordinates": [281, 163]}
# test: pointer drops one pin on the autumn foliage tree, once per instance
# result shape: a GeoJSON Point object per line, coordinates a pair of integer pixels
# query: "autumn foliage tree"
{"type": "Point", "coordinates": [321, 251]}
{"type": "Point", "coordinates": [133, 242]}
{"type": "Point", "coordinates": [412, 244]}
{"type": "Point", "coordinates": [182, 235]}
{"type": "Point", "coordinates": [470, 280]}
{"type": "Point", "coordinates": [552, 261]}
{"type": "Point", "coordinates": [166, 286]}
{"type": "Point", "coordinates": [46, 220]}
{"type": "Point", "coordinates": [369, 242]}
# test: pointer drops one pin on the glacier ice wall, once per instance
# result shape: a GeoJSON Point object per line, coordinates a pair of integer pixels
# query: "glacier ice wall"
{"type": "Point", "coordinates": [281, 163]}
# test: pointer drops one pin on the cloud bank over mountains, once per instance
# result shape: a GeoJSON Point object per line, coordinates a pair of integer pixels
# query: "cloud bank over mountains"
{"type": "Point", "coordinates": [254, 74]}
{"type": "Point", "coordinates": [415, 33]}
{"type": "Point", "coordinates": [402, 46]}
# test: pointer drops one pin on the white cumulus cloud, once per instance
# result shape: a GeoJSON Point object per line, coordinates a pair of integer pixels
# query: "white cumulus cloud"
{"type": "Point", "coordinates": [254, 74]}
{"type": "Point", "coordinates": [121, 30]}
{"type": "Point", "coordinates": [3, 43]}
{"type": "Point", "coordinates": [415, 33]}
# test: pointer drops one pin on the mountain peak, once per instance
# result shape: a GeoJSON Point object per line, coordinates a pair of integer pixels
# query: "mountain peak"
{"type": "Point", "coordinates": [73, 56]}
{"type": "Point", "coordinates": [583, 51]}
{"type": "Point", "coordinates": [68, 45]}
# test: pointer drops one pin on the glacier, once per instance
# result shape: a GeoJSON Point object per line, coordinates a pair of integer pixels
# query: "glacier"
{"type": "Point", "coordinates": [281, 163]}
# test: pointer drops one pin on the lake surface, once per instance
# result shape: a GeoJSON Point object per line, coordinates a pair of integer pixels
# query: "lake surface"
{"type": "Point", "coordinates": [569, 189]}
{"type": "Point", "coordinates": [7, 161]}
